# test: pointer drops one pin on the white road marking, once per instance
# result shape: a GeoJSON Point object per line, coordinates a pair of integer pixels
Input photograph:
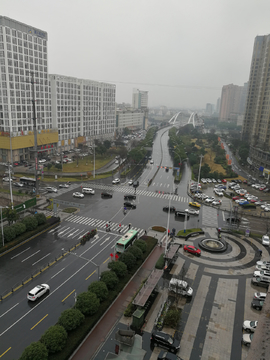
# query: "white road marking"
{"type": "Point", "coordinates": [41, 259]}
{"type": "Point", "coordinates": [30, 256]}
{"type": "Point", "coordinates": [9, 310]}
{"type": "Point", "coordinates": [19, 253]}
{"type": "Point", "coordinates": [57, 273]}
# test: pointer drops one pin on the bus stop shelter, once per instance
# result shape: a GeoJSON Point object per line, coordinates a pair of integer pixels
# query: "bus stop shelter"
{"type": "Point", "coordinates": [148, 287]}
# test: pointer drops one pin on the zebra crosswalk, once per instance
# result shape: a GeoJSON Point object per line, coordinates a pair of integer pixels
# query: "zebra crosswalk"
{"type": "Point", "coordinates": [101, 224]}
{"type": "Point", "coordinates": [126, 190]}
{"type": "Point", "coordinates": [209, 217]}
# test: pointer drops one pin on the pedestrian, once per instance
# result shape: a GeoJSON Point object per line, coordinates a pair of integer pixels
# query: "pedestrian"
{"type": "Point", "coordinates": [145, 232]}
{"type": "Point", "coordinates": [260, 253]}
{"type": "Point", "coordinates": [129, 226]}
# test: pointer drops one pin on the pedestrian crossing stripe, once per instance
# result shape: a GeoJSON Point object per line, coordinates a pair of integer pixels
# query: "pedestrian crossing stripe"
{"type": "Point", "coordinates": [126, 190]}
{"type": "Point", "coordinates": [101, 224]}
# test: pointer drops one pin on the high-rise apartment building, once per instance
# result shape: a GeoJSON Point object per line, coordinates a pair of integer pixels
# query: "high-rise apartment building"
{"type": "Point", "coordinates": [69, 111]}
{"type": "Point", "coordinates": [139, 99]}
{"type": "Point", "coordinates": [230, 103]}
{"type": "Point", "coordinates": [82, 109]}
{"type": "Point", "coordinates": [23, 53]}
{"type": "Point", "coordinates": [256, 126]}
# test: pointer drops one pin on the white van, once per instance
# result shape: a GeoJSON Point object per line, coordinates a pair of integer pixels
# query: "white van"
{"type": "Point", "coordinates": [180, 287]}
{"type": "Point", "coordinates": [88, 191]}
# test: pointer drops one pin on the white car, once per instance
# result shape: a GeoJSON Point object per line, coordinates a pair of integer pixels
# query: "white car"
{"type": "Point", "coordinates": [247, 338]}
{"type": "Point", "coordinates": [130, 182]}
{"type": "Point", "coordinates": [192, 212]}
{"type": "Point", "coordinates": [198, 195]}
{"type": "Point", "coordinates": [51, 189]}
{"type": "Point", "coordinates": [263, 267]}
{"type": "Point", "coordinates": [259, 295]}
{"type": "Point", "coordinates": [249, 326]}
{"type": "Point", "coordinates": [217, 202]}
{"type": "Point", "coordinates": [209, 199]}
{"type": "Point", "coordinates": [116, 181]}
{"type": "Point", "coordinates": [265, 240]}
{"type": "Point", "coordinates": [267, 209]}
{"type": "Point", "coordinates": [219, 193]}
{"type": "Point", "coordinates": [152, 162]}
{"type": "Point", "coordinates": [88, 191]}
{"type": "Point", "coordinates": [37, 292]}
{"type": "Point", "coordinates": [42, 161]}
{"type": "Point", "coordinates": [203, 181]}
{"type": "Point", "coordinates": [6, 179]}
{"type": "Point", "coordinates": [239, 200]}
{"type": "Point", "coordinates": [214, 180]}
{"type": "Point", "coordinates": [204, 196]}
{"type": "Point", "coordinates": [78, 195]}
{"type": "Point", "coordinates": [260, 273]}
{"type": "Point", "coordinates": [209, 180]}
{"type": "Point", "coordinates": [263, 263]}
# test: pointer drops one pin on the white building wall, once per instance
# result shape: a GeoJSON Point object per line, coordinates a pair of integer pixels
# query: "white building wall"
{"type": "Point", "coordinates": [23, 50]}
{"type": "Point", "coordinates": [130, 119]}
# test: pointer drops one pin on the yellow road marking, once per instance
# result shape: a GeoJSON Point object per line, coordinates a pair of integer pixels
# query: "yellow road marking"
{"type": "Point", "coordinates": [68, 295]}
{"type": "Point", "coordinates": [90, 275]}
{"type": "Point", "coordinates": [38, 322]}
{"type": "Point", "coordinates": [5, 352]}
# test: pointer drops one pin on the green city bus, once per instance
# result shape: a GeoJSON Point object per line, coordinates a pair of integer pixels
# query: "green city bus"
{"type": "Point", "coordinates": [126, 240]}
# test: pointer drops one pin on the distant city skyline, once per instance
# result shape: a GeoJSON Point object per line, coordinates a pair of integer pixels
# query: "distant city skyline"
{"type": "Point", "coordinates": [155, 50]}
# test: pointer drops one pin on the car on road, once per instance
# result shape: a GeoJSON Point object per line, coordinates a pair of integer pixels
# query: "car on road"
{"type": "Point", "coordinates": [195, 204]}
{"type": "Point", "coordinates": [260, 281]}
{"type": "Point", "coordinates": [129, 197]}
{"type": "Point", "coordinates": [159, 338]}
{"type": "Point", "coordinates": [88, 191]}
{"type": "Point", "coordinates": [63, 186]}
{"type": "Point", "coordinates": [247, 338]}
{"type": "Point", "coordinates": [217, 202]}
{"type": "Point", "coordinates": [257, 304]}
{"type": "Point", "coordinates": [78, 195]}
{"type": "Point", "coordinates": [116, 181]}
{"type": "Point", "coordinates": [130, 182]}
{"type": "Point", "coordinates": [249, 326]}
{"type": "Point", "coordinates": [167, 208]}
{"type": "Point", "coordinates": [6, 179]}
{"type": "Point", "coordinates": [106, 195]}
{"type": "Point", "coordinates": [151, 161]}
{"type": "Point", "coordinates": [259, 295]}
{"type": "Point", "coordinates": [37, 292]}
{"type": "Point", "coordinates": [265, 240]}
{"type": "Point", "coordinates": [18, 184]}
{"type": "Point", "coordinates": [192, 250]}
{"type": "Point", "coordinates": [192, 212]}
{"type": "Point", "coordinates": [51, 189]}
{"type": "Point", "coordinates": [180, 287]}
{"type": "Point", "coordinates": [130, 205]}
{"type": "Point", "coordinates": [209, 199]}
{"type": "Point", "coordinates": [181, 213]}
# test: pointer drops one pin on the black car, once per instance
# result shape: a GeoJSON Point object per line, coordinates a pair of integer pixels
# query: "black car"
{"type": "Point", "coordinates": [233, 220]}
{"type": "Point", "coordinates": [165, 355]}
{"type": "Point", "coordinates": [129, 197]}
{"type": "Point", "coordinates": [130, 205]}
{"type": "Point", "coordinates": [257, 304]}
{"type": "Point", "coordinates": [164, 340]}
{"type": "Point", "coordinates": [106, 195]}
{"type": "Point", "coordinates": [166, 208]}
{"type": "Point", "coordinates": [136, 183]}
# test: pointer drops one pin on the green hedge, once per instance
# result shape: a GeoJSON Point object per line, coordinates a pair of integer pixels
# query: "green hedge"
{"type": "Point", "coordinates": [26, 235]}
{"type": "Point", "coordinates": [76, 336]}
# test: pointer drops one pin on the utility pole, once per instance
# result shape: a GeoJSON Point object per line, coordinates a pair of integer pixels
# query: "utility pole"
{"type": "Point", "coordinates": [35, 132]}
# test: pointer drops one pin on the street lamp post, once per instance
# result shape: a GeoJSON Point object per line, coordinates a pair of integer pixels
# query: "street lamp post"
{"type": "Point", "coordinates": [2, 227]}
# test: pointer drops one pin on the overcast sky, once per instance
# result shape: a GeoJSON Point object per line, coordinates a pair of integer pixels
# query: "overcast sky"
{"type": "Point", "coordinates": [181, 51]}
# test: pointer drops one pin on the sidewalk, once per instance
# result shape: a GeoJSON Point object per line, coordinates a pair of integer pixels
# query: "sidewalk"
{"type": "Point", "coordinates": [99, 334]}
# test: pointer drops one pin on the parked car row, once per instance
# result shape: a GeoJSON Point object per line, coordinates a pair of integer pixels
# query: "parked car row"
{"type": "Point", "coordinates": [261, 277]}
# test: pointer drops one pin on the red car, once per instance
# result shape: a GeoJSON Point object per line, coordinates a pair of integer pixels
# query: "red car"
{"type": "Point", "coordinates": [192, 249]}
{"type": "Point", "coordinates": [224, 181]}
{"type": "Point", "coordinates": [244, 181]}
{"type": "Point", "coordinates": [236, 197]}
